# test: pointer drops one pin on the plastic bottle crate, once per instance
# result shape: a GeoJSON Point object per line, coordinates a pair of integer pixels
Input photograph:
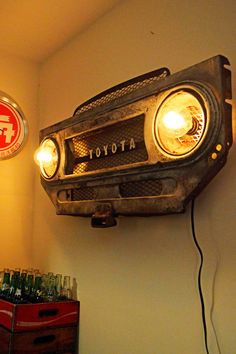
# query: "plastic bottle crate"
{"type": "Point", "coordinates": [27, 317]}
{"type": "Point", "coordinates": [45, 341]}
{"type": "Point", "coordinates": [43, 328]}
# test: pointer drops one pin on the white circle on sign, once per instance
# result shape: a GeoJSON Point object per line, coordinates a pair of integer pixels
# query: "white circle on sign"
{"type": "Point", "coordinates": [13, 127]}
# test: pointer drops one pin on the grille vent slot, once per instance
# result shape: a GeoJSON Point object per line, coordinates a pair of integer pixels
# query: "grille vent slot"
{"type": "Point", "coordinates": [134, 189]}
{"type": "Point", "coordinates": [82, 194]}
{"type": "Point", "coordinates": [146, 188]}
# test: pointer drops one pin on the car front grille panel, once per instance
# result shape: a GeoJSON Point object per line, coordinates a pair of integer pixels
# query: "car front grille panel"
{"type": "Point", "coordinates": [109, 147]}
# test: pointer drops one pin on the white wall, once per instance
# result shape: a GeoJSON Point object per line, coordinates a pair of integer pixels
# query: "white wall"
{"type": "Point", "coordinates": [19, 79]}
{"type": "Point", "coordinates": [138, 281]}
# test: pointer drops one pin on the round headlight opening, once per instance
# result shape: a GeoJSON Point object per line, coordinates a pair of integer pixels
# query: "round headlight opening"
{"type": "Point", "coordinates": [47, 157]}
{"type": "Point", "coordinates": [181, 122]}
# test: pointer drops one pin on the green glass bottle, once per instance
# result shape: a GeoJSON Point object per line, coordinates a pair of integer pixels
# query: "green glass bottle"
{"type": "Point", "coordinates": [1, 279]}
{"type": "Point", "coordinates": [24, 276]}
{"type": "Point", "coordinates": [13, 286]}
{"type": "Point", "coordinates": [29, 284]}
{"type": "Point", "coordinates": [19, 297]}
{"type": "Point", "coordinates": [5, 284]}
{"type": "Point", "coordinates": [66, 293]}
{"type": "Point", "coordinates": [36, 295]}
{"type": "Point", "coordinates": [51, 289]}
{"type": "Point", "coordinates": [58, 286]}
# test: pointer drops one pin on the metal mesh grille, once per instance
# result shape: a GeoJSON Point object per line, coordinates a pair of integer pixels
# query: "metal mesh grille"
{"type": "Point", "coordinates": [145, 188]}
{"type": "Point", "coordinates": [118, 92]}
{"type": "Point", "coordinates": [85, 193]}
{"type": "Point", "coordinates": [141, 188]}
{"type": "Point", "coordinates": [112, 146]}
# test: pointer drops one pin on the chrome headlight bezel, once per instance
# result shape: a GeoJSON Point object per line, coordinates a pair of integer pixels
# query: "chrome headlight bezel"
{"type": "Point", "coordinates": [48, 165]}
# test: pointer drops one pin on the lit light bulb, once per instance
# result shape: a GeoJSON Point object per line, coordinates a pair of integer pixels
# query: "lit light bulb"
{"type": "Point", "coordinates": [175, 124]}
{"type": "Point", "coordinates": [180, 122]}
{"type": "Point", "coordinates": [43, 156]}
{"type": "Point", "coordinates": [46, 156]}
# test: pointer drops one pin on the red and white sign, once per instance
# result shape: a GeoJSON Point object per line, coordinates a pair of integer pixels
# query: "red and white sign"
{"type": "Point", "coordinates": [12, 130]}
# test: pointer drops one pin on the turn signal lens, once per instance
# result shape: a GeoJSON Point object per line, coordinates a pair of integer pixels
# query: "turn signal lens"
{"type": "Point", "coordinates": [47, 157]}
{"type": "Point", "coordinates": [180, 123]}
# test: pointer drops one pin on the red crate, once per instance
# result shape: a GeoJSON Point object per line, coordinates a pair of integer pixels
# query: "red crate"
{"type": "Point", "coordinates": [59, 340]}
{"type": "Point", "coordinates": [28, 317]}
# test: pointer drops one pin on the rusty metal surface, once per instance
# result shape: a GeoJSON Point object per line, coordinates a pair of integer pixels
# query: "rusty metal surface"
{"type": "Point", "coordinates": [97, 168]}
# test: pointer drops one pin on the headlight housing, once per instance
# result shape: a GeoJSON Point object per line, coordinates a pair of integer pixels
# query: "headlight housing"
{"type": "Point", "coordinates": [47, 157]}
{"type": "Point", "coordinates": [181, 122]}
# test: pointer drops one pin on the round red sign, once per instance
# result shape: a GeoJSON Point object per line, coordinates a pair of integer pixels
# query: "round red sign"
{"type": "Point", "coordinates": [12, 128]}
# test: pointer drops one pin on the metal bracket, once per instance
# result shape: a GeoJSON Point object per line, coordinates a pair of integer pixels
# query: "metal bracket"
{"type": "Point", "coordinates": [103, 217]}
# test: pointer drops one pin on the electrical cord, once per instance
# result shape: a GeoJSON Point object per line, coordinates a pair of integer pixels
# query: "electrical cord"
{"type": "Point", "coordinates": [200, 279]}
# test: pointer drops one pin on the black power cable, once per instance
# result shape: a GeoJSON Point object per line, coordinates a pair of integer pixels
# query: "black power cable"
{"type": "Point", "coordinates": [200, 278]}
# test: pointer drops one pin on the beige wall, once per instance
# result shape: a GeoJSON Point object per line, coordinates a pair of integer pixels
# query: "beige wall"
{"type": "Point", "coordinates": [138, 281]}
{"type": "Point", "coordinates": [19, 79]}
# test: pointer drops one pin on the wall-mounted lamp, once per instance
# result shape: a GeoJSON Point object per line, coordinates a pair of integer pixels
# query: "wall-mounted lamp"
{"type": "Point", "coordinates": [145, 147]}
